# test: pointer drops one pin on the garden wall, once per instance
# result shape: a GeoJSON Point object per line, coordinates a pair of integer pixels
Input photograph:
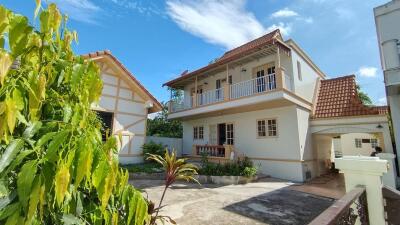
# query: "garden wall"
{"type": "Point", "coordinates": [170, 143]}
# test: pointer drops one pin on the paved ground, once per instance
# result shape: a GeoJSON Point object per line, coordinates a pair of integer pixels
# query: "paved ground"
{"type": "Point", "coordinates": [268, 201]}
{"type": "Point", "coordinates": [330, 186]}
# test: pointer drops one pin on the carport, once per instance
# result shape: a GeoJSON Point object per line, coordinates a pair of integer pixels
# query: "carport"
{"type": "Point", "coordinates": [339, 110]}
{"type": "Point", "coordinates": [324, 130]}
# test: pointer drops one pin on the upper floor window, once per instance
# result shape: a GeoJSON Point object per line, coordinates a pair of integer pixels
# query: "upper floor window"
{"type": "Point", "coordinates": [299, 71]}
{"type": "Point", "coordinates": [230, 79]}
{"type": "Point", "coordinates": [358, 143]}
{"type": "Point", "coordinates": [267, 128]}
{"type": "Point", "coordinates": [198, 133]}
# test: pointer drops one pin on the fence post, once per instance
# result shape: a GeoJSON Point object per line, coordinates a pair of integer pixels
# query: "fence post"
{"type": "Point", "coordinates": [389, 178]}
{"type": "Point", "coordinates": [366, 171]}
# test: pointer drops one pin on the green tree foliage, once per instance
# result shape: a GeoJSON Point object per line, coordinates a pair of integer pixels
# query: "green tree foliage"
{"type": "Point", "coordinates": [162, 127]}
{"type": "Point", "coordinates": [54, 167]}
{"type": "Point", "coordinates": [363, 96]}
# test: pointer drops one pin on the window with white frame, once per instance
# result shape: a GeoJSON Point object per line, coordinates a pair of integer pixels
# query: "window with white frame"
{"type": "Point", "coordinates": [358, 143]}
{"type": "Point", "coordinates": [230, 136]}
{"type": "Point", "coordinates": [201, 132]}
{"type": "Point", "coordinates": [261, 128]}
{"type": "Point", "coordinates": [198, 133]}
{"type": "Point", "coordinates": [299, 71]}
{"type": "Point", "coordinates": [267, 128]}
{"type": "Point", "coordinates": [374, 143]}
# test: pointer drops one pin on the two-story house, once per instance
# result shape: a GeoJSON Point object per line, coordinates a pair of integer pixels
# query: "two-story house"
{"type": "Point", "coordinates": [261, 100]}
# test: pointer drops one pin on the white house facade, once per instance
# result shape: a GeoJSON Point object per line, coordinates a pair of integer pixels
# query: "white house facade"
{"type": "Point", "coordinates": [387, 19]}
{"type": "Point", "coordinates": [124, 106]}
{"type": "Point", "coordinates": [264, 100]}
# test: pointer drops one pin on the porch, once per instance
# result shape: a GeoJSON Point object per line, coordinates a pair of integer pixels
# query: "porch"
{"type": "Point", "coordinates": [214, 153]}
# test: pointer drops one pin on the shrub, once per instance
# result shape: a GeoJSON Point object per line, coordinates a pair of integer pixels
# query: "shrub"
{"type": "Point", "coordinates": [153, 148]}
{"type": "Point", "coordinates": [249, 171]}
{"type": "Point", "coordinates": [240, 167]}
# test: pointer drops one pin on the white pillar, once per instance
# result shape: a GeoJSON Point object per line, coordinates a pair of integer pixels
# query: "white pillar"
{"type": "Point", "coordinates": [389, 178]}
{"type": "Point", "coordinates": [366, 171]}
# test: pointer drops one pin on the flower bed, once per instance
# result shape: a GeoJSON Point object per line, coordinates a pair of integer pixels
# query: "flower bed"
{"type": "Point", "coordinates": [240, 171]}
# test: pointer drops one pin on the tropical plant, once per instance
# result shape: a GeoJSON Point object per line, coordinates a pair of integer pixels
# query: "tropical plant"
{"type": "Point", "coordinates": [153, 148]}
{"type": "Point", "coordinates": [161, 126]}
{"type": "Point", "coordinates": [365, 99]}
{"type": "Point", "coordinates": [175, 169]}
{"type": "Point", "coordinates": [54, 167]}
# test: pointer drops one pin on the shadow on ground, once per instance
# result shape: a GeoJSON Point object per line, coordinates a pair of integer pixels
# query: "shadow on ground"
{"type": "Point", "coordinates": [282, 207]}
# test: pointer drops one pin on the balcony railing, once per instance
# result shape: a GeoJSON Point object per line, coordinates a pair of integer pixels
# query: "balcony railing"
{"type": "Point", "coordinates": [253, 86]}
{"type": "Point", "coordinates": [246, 88]}
{"type": "Point", "coordinates": [210, 97]}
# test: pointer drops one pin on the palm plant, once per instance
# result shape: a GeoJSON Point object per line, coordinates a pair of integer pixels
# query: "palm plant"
{"type": "Point", "coordinates": [175, 169]}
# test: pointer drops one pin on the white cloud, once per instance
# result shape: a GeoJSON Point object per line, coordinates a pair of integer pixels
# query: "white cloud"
{"type": "Point", "coordinates": [382, 101]}
{"type": "Point", "coordinates": [366, 71]}
{"type": "Point", "coordinates": [147, 8]}
{"type": "Point", "coordinates": [284, 13]}
{"type": "Point", "coordinates": [285, 28]}
{"type": "Point", "coordinates": [80, 10]}
{"type": "Point", "coordinates": [224, 23]}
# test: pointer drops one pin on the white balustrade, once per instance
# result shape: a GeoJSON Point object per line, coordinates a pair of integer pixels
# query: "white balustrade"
{"type": "Point", "coordinates": [254, 86]}
{"type": "Point", "coordinates": [210, 97]}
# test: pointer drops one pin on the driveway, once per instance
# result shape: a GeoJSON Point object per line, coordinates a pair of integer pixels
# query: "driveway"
{"type": "Point", "coordinates": [268, 201]}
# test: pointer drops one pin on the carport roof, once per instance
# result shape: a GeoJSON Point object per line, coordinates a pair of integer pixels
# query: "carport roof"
{"type": "Point", "coordinates": [338, 97]}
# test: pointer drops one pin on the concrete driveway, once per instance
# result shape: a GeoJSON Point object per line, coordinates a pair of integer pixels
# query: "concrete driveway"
{"type": "Point", "coordinates": [268, 201]}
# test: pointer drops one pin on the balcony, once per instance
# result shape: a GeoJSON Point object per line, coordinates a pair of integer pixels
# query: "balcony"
{"type": "Point", "coordinates": [247, 88]}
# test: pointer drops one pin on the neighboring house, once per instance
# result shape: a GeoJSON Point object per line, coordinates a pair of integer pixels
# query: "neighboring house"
{"type": "Point", "coordinates": [268, 100]}
{"type": "Point", "coordinates": [124, 106]}
{"type": "Point", "coordinates": [387, 20]}
{"type": "Point", "coordinates": [355, 144]}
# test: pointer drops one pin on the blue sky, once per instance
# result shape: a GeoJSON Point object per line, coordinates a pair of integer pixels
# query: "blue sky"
{"type": "Point", "coordinates": [158, 39]}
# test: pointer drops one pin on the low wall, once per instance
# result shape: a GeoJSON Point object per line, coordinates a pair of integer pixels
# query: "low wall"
{"type": "Point", "coordinates": [170, 143]}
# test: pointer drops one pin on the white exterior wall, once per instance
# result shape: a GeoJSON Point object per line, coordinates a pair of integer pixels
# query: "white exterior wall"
{"type": "Point", "coordinates": [387, 19]}
{"type": "Point", "coordinates": [130, 114]}
{"type": "Point", "coordinates": [306, 86]}
{"type": "Point", "coordinates": [349, 148]}
{"type": "Point", "coordinates": [277, 156]}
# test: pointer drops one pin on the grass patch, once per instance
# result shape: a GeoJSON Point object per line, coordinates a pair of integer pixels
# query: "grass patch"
{"type": "Point", "coordinates": [148, 167]}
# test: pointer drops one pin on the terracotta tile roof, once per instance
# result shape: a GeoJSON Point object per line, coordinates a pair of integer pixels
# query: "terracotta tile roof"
{"type": "Point", "coordinates": [273, 37]}
{"type": "Point", "coordinates": [131, 76]}
{"type": "Point", "coordinates": [338, 98]}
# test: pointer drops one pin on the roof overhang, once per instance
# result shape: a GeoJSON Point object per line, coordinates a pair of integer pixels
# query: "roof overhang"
{"type": "Point", "coordinates": [220, 65]}
{"type": "Point", "coordinates": [153, 104]}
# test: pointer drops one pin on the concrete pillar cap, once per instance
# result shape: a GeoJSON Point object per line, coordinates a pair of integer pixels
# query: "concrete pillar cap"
{"type": "Point", "coordinates": [386, 155]}
{"type": "Point", "coordinates": [362, 165]}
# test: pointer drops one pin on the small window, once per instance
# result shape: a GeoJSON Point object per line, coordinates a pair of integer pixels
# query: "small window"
{"type": "Point", "coordinates": [107, 120]}
{"type": "Point", "coordinates": [374, 143]}
{"type": "Point", "coordinates": [230, 81]}
{"type": "Point", "coordinates": [358, 143]}
{"type": "Point", "coordinates": [299, 71]}
{"type": "Point", "coordinates": [267, 127]}
{"type": "Point", "coordinates": [272, 131]}
{"type": "Point", "coordinates": [366, 141]}
{"type": "Point", "coordinates": [261, 128]}
{"type": "Point", "coordinates": [195, 133]}
{"type": "Point", "coordinates": [201, 132]}
{"type": "Point", "coordinates": [198, 133]}
{"type": "Point", "coordinates": [230, 134]}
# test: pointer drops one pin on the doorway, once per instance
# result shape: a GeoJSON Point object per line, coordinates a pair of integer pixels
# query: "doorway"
{"type": "Point", "coordinates": [221, 133]}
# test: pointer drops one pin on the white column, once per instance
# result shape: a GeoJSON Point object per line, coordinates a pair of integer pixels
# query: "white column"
{"type": "Point", "coordinates": [389, 178]}
{"type": "Point", "coordinates": [366, 171]}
